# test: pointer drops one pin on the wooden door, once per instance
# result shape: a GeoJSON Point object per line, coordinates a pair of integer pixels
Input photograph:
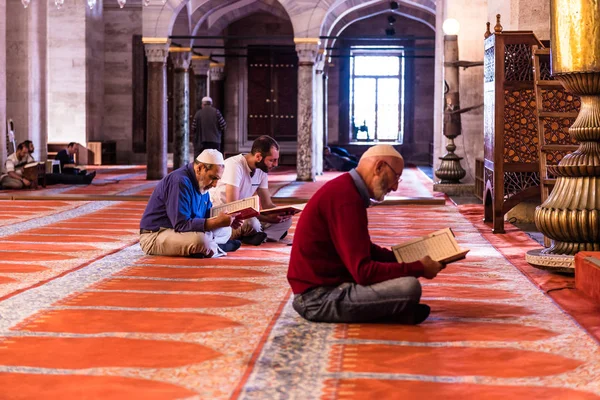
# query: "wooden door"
{"type": "Point", "coordinates": [273, 93]}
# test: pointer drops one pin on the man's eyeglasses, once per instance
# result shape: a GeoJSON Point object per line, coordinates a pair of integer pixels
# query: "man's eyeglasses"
{"type": "Point", "coordinates": [397, 176]}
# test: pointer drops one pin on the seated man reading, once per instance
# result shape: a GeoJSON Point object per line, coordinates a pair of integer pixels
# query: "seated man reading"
{"type": "Point", "coordinates": [246, 175]}
{"type": "Point", "coordinates": [176, 220]}
{"type": "Point", "coordinates": [71, 173]}
{"type": "Point", "coordinates": [336, 273]}
{"type": "Point", "coordinates": [14, 165]}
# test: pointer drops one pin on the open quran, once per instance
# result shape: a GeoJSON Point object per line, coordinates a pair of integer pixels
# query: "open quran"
{"type": "Point", "coordinates": [245, 208]}
{"type": "Point", "coordinates": [283, 210]}
{"type": "Point", "coordinates": [441, 246]}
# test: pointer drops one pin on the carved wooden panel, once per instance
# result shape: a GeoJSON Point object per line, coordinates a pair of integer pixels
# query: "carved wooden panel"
{"type": "Point", "coordinates": [518, 62]}
{"type": "Point", "coordinates": [273, 93]}
{"type": "Point", "coordinates": [516, 182]}
{"type": "Point", "coordinates": [520, 127]}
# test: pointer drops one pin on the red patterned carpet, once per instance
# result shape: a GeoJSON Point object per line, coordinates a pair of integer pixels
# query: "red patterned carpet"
{"type": "Point", "coordinates": [84, 314]}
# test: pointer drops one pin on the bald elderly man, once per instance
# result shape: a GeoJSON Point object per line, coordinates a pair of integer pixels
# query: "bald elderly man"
{"type": "Point", "coordinates": [177, 219]}
{"type": "Point", "coordinates": [336, 273]}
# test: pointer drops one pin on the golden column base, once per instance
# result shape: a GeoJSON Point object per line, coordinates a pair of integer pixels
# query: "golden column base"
{"type": "Point", "coordinates": [571, 214]}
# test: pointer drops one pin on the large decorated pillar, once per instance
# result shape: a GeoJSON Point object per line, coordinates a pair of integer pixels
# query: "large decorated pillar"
{"type": "Point", "coordinates": [157, 51]}
{"type": "Point", "coordinates": [181, 58]}
{"type": "Point", "coordinates": [570, 216]}
{"type": "Point", "coordinates": [308, 49]}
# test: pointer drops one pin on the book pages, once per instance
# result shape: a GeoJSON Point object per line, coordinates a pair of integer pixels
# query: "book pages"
{"type": "Point", "coordinates": [440, 246]}
{"type": "Point", "coordinates": [236, 206]}
{"type": "Point", "coordinates": [285, 210]}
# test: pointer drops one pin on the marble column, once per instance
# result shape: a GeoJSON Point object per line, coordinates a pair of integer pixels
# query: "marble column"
{"type": "Point", "coordinates": [307, 138]}
{"type": "Point", "coordinates": [157, 51]}
{"type": "Point", "coordinates": [318, 110]}
{"type": "Point", "coordinates": [217, 85]}
{"type": "Point", "coordinates": [201, 65]}
{"type": "Point", "coordinates": [181, 114]}
{"type": "Point", "coordinates": [2, 83]}
{"type": "Point", "coordinates": [325, 109]}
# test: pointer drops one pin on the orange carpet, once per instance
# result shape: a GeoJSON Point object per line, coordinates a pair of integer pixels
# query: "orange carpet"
{"type": "Point", "coordinates": [106, 321]}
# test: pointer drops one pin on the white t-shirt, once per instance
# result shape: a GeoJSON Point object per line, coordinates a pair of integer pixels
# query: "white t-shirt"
{"type": "Point", "coordinates": [237, 173]}
{"type": "Point", "coordinates": [13, 164]}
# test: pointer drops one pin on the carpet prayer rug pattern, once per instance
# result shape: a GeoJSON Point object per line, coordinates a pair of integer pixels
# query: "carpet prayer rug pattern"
{"type": "Point", "coordinates": [93, 317]}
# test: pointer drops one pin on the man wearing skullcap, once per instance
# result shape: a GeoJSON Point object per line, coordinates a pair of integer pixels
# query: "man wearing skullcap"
{"type": "Point", "coordinates": [336, 272]}
{"type": "Point", "coordinates": [177, 219]}
{"type": "Point", "coordinates": [208, 127]}
{"type": "Point", "coordinates": [245, 176]}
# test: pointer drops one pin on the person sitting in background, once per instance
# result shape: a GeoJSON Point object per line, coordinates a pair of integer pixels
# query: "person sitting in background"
{"type": "Point", "coordinates": [71, 173]}
{"type": "Point", "coordinates": [177, 219]}
{"type": "Point", "coordinates": [337, 162]}
{"type": "Point", "coordinates": [336, 272]}
{"type": "Point", "coordinates": [14, 165]}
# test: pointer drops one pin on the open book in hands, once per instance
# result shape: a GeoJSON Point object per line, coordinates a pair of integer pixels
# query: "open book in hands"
{"type": "Point", "coordinates": [244, 208]}
{"type": "Point", "coordinates": [441, 246]}
{"type": "Point", "coordinates": [283, 210]}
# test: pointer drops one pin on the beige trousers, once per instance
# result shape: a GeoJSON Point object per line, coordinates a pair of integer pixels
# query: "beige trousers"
{"type": "Point", "coordinates": [167, 242]}
{"type": "Point", "coordinates": [253, 225]}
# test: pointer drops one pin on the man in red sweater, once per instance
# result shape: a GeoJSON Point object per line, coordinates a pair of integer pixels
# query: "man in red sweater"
{"type": "Point", "coordinates": [336, 273]}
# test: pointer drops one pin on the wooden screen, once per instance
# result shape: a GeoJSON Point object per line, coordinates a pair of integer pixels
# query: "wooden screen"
{"type": "Point", "coordinates": [511, 167]}
{"type": "Point", "coordinates": [273, 93]}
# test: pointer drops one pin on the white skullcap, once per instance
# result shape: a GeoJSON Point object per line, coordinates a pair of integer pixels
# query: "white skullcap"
{"type": "Point", "coordinates": [381, 150]}
{"type": "Point", "coordinates": [211, 156]}
{"type": "Point", "coordinates": [207, 99]}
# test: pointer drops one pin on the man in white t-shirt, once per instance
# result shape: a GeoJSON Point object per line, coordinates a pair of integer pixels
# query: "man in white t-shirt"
{"type": "Point", "coordinates": [246, 175]}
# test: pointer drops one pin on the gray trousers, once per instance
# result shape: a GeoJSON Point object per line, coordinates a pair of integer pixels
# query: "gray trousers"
{"type": "Point", "coordinates": [391, 301]}
{"type": "Point", "coordinates": [8, 182]}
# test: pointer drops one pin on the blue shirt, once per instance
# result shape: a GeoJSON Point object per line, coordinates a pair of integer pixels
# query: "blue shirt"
{"type": "Point", "coordinates": [177, 203]}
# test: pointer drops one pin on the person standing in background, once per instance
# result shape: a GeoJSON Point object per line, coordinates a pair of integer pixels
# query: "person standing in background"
{"type": "Point", "coordinates": [208, 127]}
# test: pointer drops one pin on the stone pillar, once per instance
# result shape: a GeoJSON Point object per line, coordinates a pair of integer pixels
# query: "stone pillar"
{"type": "Point", "coordinates": [2, 83]}
{"type": "Point", "coordinates": [157, 51]}
{"type": "Point", "coordinates": [318, 110]}
{"type": "Point", "coordinates": [181, 115]}
{"type": "Point", "coordinates": [307, 49]}
{"type": "Point", "coordinates": [217, 85]}
{"type": "Point", "coordinates": [25, 84]}
{"type": "Point", "coordinates": [325, 109]}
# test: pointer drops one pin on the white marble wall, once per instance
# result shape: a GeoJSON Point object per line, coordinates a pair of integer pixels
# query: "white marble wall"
{"type": "Point", "coordinates": [119, 27]}
{"type": "Point", "coordinates": [530, 15]}
{"type": "Point", "coordinates": [75, 72]}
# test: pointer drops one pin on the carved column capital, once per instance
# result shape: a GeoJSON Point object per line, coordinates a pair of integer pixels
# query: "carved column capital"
{"type": "Point", "coordinates": [217, 71]}
{"type": "Point", "coordinates": [307, 51]}
{"type": "Point", "coordinates": [181, 60]}
{"type": "Point", "coordinates": [157, 52]}
{"type": "Point", "coordinates": [200, 65]}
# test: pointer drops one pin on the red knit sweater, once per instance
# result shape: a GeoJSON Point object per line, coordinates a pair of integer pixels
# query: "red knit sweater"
{"type": "Point", "coordinates": [332, 243]}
